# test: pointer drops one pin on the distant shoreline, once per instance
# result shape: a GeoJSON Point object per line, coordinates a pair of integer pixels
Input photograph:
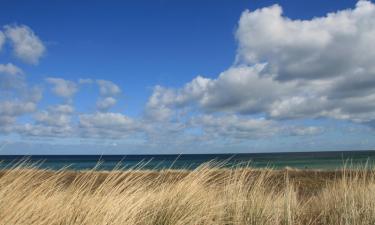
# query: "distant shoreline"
{"type": "Point", "coordinates": [301, 160]}
{"type": "Point", "coordinates": [328, 152]}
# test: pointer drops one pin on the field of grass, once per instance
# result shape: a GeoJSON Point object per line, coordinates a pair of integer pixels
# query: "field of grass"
{"type": "Point", "coordinates": [204, 196]}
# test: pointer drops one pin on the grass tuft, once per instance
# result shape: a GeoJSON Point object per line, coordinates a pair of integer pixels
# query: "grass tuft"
{"type": "Point", "coordinates": [204, 196]}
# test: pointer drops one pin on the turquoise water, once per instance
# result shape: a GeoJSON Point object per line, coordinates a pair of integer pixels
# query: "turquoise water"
{"type": "Point", "coordinates": [309, 160]}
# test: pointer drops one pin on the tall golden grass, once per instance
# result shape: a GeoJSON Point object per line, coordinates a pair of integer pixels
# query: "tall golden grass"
{"type": "Point", "coordinates": [205, 196]}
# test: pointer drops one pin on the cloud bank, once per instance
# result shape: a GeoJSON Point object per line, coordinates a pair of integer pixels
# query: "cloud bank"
{"type": "Point", "coordinates": [285, 73]}
{"type": "Point", "coordinates": [291, 69]}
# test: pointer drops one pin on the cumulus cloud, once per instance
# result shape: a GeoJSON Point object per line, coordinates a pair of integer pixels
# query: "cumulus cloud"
{"type": "Point", "coordinates": [104, 120]}
{"type": "Point", "coordinates": [104, 104]}
{"type": "Point", "coordinates": [42, 130]}
{"type": "Point", "coordinates": [14, 108]}
{"type": "Point", "coordinates": [319, 48]}
{"type": "Point", "coordinates": [232, 126]}
{"type": "Point", "coordinates": [10, 110]}
{"type": "Point", "coordinates": [10, 68]}
{"type": "Point", "coordinates": [55, 121]}
{"type": "Point", "coordinates": [236, 90]}
{"type": "Point", "coordinates": [26, 44]}
{"type": "Point", "coordinates": [159, 105]}
{"type": "Point", "coordinates": [108, 125]}
{"type": "Point", "coordinates": [308, 131]}
{"type": "Point", "coordinates": [236, 127]}
{"type": "Point", "coordinates": [6, 121]}
{"type": "Point", "coordinates": [11, 77]}
{"type": "Point", "coordinates": [59, 116]}
{"type": "Point", "coordinates": [239, 89]}
{"type": "Point", "coordinates": [17, 98]}
{"type": "Point", "coordinates": [63, 88]}
{"type": "Point", "coordinates": [10, 82]}
{"type": "Point", "coordinates": [290, 69]}
{"type": "Point", "coordinates": [63, 109]}
{"type": "Point", "coordinates": [108, 88]}
{"type": "Point", "coordinates": [329, 58]}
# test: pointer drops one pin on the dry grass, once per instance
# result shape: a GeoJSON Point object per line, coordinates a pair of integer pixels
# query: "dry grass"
{"type": "Point", "coordinates": [203, 196]}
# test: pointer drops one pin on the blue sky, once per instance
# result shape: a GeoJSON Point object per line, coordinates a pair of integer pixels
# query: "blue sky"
{"type": "Point", "coordinates": [186, 76]}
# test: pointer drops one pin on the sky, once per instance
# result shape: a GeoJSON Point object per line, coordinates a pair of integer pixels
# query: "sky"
{"type": "Point", "coordinates": [171, 77]}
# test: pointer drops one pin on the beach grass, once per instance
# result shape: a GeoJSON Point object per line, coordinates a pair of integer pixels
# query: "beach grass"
{"type": "Point", "coordinates": [207, 195]}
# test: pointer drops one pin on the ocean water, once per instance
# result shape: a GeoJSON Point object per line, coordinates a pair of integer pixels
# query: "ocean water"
{"type": "Point", "coordinates": [302, 160]}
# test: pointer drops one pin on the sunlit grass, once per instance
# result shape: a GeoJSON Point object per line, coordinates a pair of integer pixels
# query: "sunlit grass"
{"type": "Point", "coordinates": [206, 195]}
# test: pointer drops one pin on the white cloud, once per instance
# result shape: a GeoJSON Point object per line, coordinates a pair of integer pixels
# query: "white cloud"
{"type": "Point", "coordinates": [58, 116]}
{"type": "Point", "coordinates": [329, 58]}
{"type": "Point", "coordinates": [287, 69]}
{"type": "Point", "coordinates": [104, 104]}
{"type": "Point", "coordinates": [56, 121]}
{"type": "Point", "coordinates": [158, 107]}
{"type": "Point", "coordinates": [9, 82]}
{"type": "Point", "coordinates": [17, 98]}
{"type": "Point", "coordinates": [42, 130]}
{"type": "Point", "coordinates": [232, 126]}
{"type": "Point", "coordinates": [299, 107]}
{"type": "Point", "coordinates": [10, 110]}
{"type": "Point", "coordinates": [105, 120]}
{"type": "Point", "coordinates": [26, 45]}
{"type": "Point", "coordinates": [239, 89]}
{"type": "Point", "coordinates": [108, 88]}
{"type": "Point", "coordinates": [63, 109]}
{"type": "Point", "coordinates": [63, 88]}
{"type": "Point", "coordinates": [10, 68]}
{"type": "Point", "coordinates": [51, 119]}
{"type": "Point", "coordinates": [6, 121]}
{"type": "Point", "coordinates": [15, 108]}
{"type": "Point", "coordinates": [306, 131]}
{"type": "Point", "coordinates": [107, 125]}
{"type": "Point", "coordinates": [242, 89]}
{"type": "Point", "coordinates": [319, 48]}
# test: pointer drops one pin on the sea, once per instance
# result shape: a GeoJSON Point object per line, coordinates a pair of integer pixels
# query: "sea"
{"type": "Point", "coordinates": [327, 160]}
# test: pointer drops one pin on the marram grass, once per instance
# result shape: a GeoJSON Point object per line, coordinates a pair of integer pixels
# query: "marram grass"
{"type": "Point", "coordinates": [204, 196]}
